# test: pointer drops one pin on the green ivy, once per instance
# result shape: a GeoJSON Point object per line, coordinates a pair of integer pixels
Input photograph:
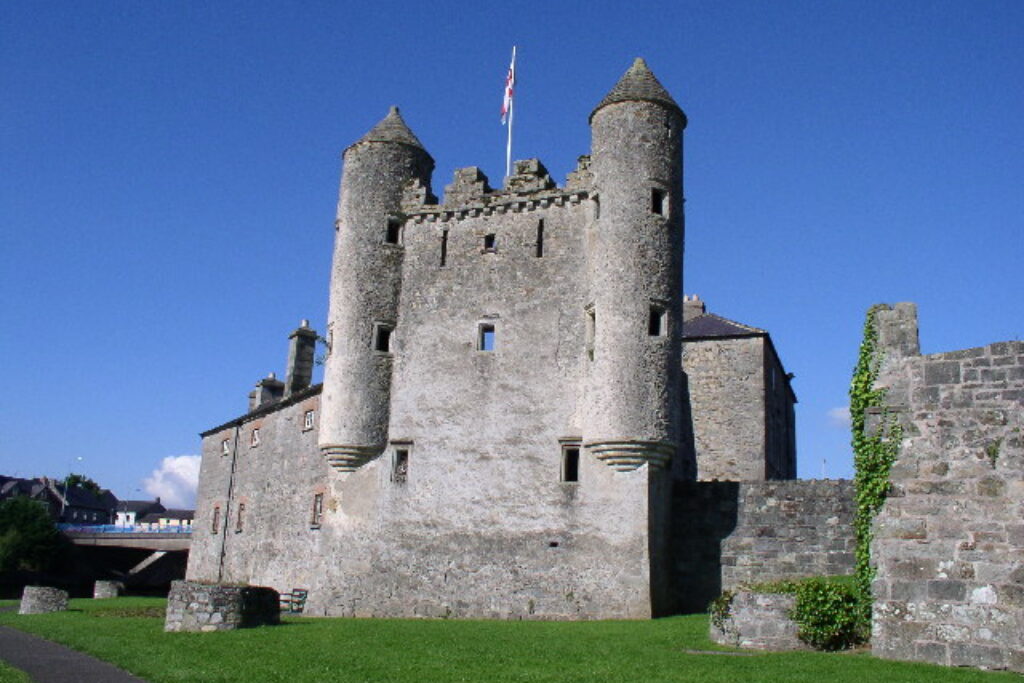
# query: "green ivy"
{"type": "Point", "coordinates": [721, 608]}
{"type": "Point", "coordinates": [873, 456]}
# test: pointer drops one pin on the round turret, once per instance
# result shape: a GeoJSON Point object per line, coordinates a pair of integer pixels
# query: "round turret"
{"type": "Point", "coordinates": [633, 399]}
{"type": "Point", "coordinates": [365, 284]}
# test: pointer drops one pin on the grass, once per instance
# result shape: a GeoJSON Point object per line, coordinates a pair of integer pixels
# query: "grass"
{"type": "Point", "coordinates": [129, 633]}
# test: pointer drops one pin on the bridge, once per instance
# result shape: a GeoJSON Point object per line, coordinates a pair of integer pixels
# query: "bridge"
{"type": "Point", "coordinates": [167, 538]}
{"type": "Point", "coordinates": [129, 550]}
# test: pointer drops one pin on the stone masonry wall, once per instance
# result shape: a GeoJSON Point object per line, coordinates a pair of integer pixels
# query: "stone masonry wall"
{"type": "Point", "coordinates": [193, 606]}
{"type": "Point", "coordinates": [949, 542]}
{"type": "Point", "coordinates": [760, 621]}
{"type": "Point", "coordinates": [731, 533]}
{"type": "Point", "coordinates": [727, 403]}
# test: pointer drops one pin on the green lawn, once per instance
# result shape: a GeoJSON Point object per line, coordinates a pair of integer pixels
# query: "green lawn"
{"type": "Point", "coordinates": [129, 633]}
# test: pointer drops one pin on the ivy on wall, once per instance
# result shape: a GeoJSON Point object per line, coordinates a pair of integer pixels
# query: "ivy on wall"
{"type": "Point", "coordinates": [873, 453]}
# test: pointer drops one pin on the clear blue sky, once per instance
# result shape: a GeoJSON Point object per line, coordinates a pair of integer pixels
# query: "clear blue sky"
{"type": "Point", "coordinates": [170, 175]}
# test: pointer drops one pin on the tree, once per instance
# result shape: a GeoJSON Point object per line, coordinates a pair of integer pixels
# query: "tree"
{"type": "Point", "coordinates": [28, 538]}
{"type": "Point", "coordinates": [83, 482]}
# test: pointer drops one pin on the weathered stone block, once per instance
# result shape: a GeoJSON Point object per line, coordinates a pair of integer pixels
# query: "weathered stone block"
{"type": "Point", "coordinates": [43, 600]}
{"type": "Point", "coordinates": [942, 372]}
{"type": "Point", "coordinates": [107, 589]}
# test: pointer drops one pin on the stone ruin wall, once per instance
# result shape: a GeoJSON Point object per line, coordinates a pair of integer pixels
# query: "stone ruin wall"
{"type": "Point", "coordinates": [731, 533]}
{"type": "Point", "coordinates": [949, 542]}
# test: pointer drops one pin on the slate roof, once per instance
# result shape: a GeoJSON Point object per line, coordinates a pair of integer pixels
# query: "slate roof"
{"type": "Point", "coordinates": [155, 517]}
{"type": "Point", "coordinates": [710, 325]}
{"type": "Point", "coordinates": [392, 128]}
{"type": "Point", "coordinates": [638, 84]}
{"type": "Point", "coordinates": [140, 507]}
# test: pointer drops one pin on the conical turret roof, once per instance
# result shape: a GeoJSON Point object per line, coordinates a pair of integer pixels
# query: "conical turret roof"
{"type": "Point", "coordinates": [638, 84]}
{"type": "Point", "coordinates": [392, 128]}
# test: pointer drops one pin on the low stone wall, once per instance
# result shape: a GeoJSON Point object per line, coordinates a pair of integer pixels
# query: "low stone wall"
{"type": "Point", "coordinates": [726, 534]}
{"type": "Point", "coordinates": [193, 606]}
{"type": "Point", "coordinates": [107, 589]}
{"type": "Point", "coordinates": [760, 621]}
{"type": "Point", "coordinates": [43, 600]}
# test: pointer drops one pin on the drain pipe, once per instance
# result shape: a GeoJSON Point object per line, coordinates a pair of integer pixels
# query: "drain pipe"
{"type": "Point", "coordinates": [227, 504]}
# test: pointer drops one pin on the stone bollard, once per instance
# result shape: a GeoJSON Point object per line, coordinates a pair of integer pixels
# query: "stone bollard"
{"type": "Point", "coordinates": [194, 606]}
{"type": "Point", "coordinates": [43, 600]}
{"type": "Point", "coordinates": [107, 589]}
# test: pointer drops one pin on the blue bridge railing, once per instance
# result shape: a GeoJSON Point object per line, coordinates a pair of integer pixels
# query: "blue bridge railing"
{"type": "Point", "coordinates": [125, 529]}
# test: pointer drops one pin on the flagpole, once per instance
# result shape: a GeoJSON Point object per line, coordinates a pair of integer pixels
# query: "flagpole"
{"type": "Point", "coordinates": [511, 113]}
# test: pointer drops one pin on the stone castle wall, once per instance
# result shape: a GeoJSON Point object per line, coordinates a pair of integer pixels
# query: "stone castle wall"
{"type": "Point", "coordinates": [727, 534]}
{"type": "Point", "coordinates": [727, 401]}
{"type": "Point", "coordinates": [949, 542]}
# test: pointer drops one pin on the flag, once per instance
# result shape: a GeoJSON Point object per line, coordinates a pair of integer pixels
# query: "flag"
{"type": "Point", "coordinates": [510, 82]}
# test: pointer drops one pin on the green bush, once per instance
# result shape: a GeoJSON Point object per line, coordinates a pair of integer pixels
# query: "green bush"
{"type": "Point", "coordinates": [829, 615]}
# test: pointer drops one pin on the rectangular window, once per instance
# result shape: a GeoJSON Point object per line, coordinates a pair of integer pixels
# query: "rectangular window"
{"type": "Point", "coordinates": [489, 242]}
{"type": "Point", "coordinates": [382, 338]}
{"type": "Point", "coordinates": [238, 517]}
{"type": "Point", "coordinates": [485, 340]}
{"type": "Point", "coordinates": [444, 247]}
{"type": "Point", "coordinates": [225, 447]}
{"type": "Point", "coordinates": [657, 321]}
{"type": "Point", "coordinates": [591, 331]}
{"type": "Point", "coordinates": [658, 201]}
{"type": "Point", "coordinates": [215, 526]}
{"type": "Point", "coordinates": [394, 232]}
{"type": "Point", "coordinates": [571, 463]}
{"type": "Point", "coordinates": [400, 469]}
{"type": "Point", "coordinates": [540, 239]}
{"type": "Point", "coordinates": [255, 440]}
{"type": "Point", "coordinates": [318, 511]}
{"type": "Point", "coordinates": [307, 420]}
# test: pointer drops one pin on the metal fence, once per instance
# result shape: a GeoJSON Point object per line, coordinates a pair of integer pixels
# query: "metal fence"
{"type": "Point", "coordinates": [125, 529]}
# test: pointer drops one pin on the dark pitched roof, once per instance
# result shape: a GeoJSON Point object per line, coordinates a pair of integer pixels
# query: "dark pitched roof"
{"type": "Point", "coordinates": [710, 325]}
{"type": "Point", "coordinates": [140, 507]}
{"type": "Point", "coordinates": [154, 517]}
{"type": "Point", "coordinates": [638, 84]}
{"type": "Point", "coordinates": [392, 128]}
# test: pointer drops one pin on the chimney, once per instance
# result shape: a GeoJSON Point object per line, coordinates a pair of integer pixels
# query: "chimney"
{"type": "Point", "coordinates": [301, 349]}
{"type": "Point", "coordinates": [267, 391]}
{"type": "Point", "coordinates": [692, 307]}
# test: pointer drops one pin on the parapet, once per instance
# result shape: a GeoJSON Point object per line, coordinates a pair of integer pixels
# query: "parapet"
{"type": "Point", "coordinates": [470, 192]}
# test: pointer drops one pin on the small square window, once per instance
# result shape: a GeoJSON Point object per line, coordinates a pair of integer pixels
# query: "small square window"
{"type": "Point", "coordinates": [307, 420]}
{"type": "Point", "coordinates": [225, 447]}
{"type": "Point", "coordinates": [571, 463]}
{"type": "Point", "coordinates": [393, 235]}
{"type": "Point", "coordinates": [318, 511]}
{"type": "Point", "coordinates": [400, 470]}
{"type": "Point", "coordinates": [659, 205]}
{"type": "Point", "coordinates": [382, 338]}
{"type": "Point", "coordinates": [657, 321]}
{"type": "Point", "coordinates": [485, 340]}
{"type": "Point", "coordinates": [255, 440]}
{"type": "Point", "coordinates": [490, 242]}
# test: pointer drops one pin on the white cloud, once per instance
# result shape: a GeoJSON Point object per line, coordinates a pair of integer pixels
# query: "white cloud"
{"type": "Point", "coordinates": [175, 481]}
{"type": "Point", "coordinates": [839, 417]}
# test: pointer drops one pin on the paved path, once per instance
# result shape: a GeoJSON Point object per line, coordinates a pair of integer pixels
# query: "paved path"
{"type": "Point", "coordinates": [48, 662]}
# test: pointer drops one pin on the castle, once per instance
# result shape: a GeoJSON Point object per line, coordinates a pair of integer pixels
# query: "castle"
{"type": "Point", "coordinates": [515, 397]}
